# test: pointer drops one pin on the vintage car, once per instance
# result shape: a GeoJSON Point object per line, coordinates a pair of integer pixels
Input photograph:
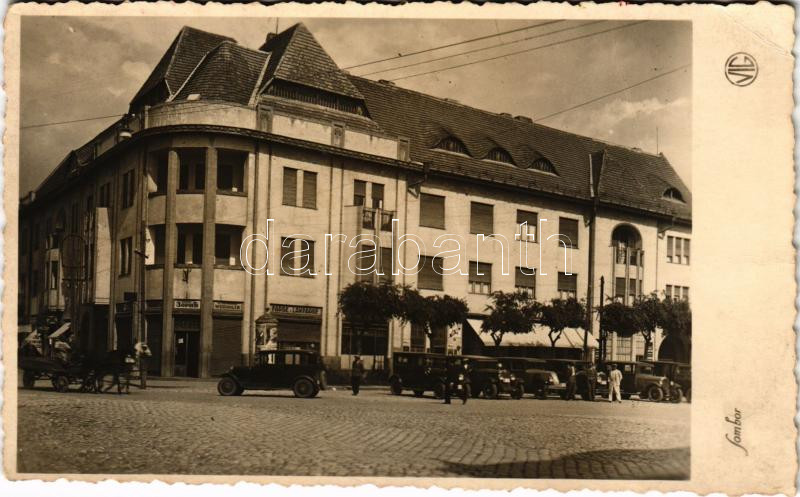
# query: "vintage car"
{"type": "Point", "coordinates": [679, 375]}
{"type": "Point", "coordinates": [638, 378]}
{"type": "Point", "coordinates": [300, 370]}
{"type": "Point", "coordinates": [419, 372]}
{"type": "Point", "coordinates": [490, 377]}
{"type": "Point", "coordinates": [559, 367]}
{"type": "Point", "coordinates": [534, 374]}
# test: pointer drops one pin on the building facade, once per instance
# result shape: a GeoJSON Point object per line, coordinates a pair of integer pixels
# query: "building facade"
{"type": "Point", "coordinates": [219, 200]}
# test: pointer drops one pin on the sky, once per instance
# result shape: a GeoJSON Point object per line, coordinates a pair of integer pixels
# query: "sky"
{"type": "Point", "coordinates": [84, 67]}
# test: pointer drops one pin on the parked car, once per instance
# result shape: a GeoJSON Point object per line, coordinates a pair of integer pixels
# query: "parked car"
{"type": "Point", "coordinates": [638, 378]}
{"type": "Point", "coordinates": [300, 370]}
{"type": "Point", "coordinates": [534, 374]}
{"type": "Point", "coordinates": [490, 377]}
{"type": "Point", "coordinates": [679, 374]}
{"type": "Point", "coordinates": [559, 366]}
{"type": "Point", "coordinates": [418, 371]}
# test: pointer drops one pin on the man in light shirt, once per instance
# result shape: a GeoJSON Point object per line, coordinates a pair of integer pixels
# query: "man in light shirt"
{"type": "Point", "coordinates": [614, 382]}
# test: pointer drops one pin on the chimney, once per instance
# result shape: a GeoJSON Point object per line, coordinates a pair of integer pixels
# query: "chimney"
{"type": "Point", "coordinates": [270, 36]}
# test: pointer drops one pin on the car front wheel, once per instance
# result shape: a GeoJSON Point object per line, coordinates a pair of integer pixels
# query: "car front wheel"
{"type": "Point", "coordinates": [396, 387]}
{"type": "Point", "coordinates": [655, 394]}
{"type": "Point", "coordinates": [490, 391]}
{"type": "Point", "coordinates": [61, 383]}
{"type": "Point", "coordinates": [228, 387]}
{"type": "Point", "coordinates": [303, 388]}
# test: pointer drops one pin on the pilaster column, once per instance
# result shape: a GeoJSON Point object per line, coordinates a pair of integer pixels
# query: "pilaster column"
{"type": "Point", "coordinates": [209, 235]}
{"type": "Point", "coordinates": [170, 248]}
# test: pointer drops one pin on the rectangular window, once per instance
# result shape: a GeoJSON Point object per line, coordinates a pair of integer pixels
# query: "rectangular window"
{"type": "Point", "coordinates": [309, 190]}
{"type": "Point", "coordinates": [53, 275]}
{"type": "Point", "coordinates": [126, 253]}
{"type": "Point", "coordinates": [668, 292]}
{"type": "Point", "coordinates": [619, 289]}
{"type": "Point", "coordinates": [128, 189]}
{"type": "Point", "coordinates": [230, 170]}
{"type": "Point", "coordinates": [359, 192]}
{"type": "Point", "coordinates": [481, 218]}
{"type": "Point", "coordinates": [227, 241]}
{"type": "Point", "coordinates": [190, 244]}
{"type": "Point", "coordinates": [569, 229]}
{"type": "Point", "coordinates": [386, 265]}
{"type": "Point", "coordinates": [678, 250]}
{"type": "Point", "coordinates": [567, 285]}
{"type": "Point", "coordinates": [192, 170]}
{"type": "Point", "coordinates": [531, 220]}
{"type": "Point", "coordinates": [480, 278]}
{"type": "Point", "coordinates": [632, 289]}
{"type": "Point", "coordinates": [431, 211]}
{"type": "Point", "coordinates": [686, 251]}
{"type": "Point", "coordinates": [670, 250]}
{"type": "Point", "coordinates": [525, 281]}
{"type": "Point", "coordinates": [158, 244]}
{"type": "Point", "coordinates": [200, 176]}
{"type": "Point", "coordinates": [162, 165]}
{"type": "Point", "coordinates": [180, 257]}
{"type": "Point", "coordinates": [365, 262]}
{"type": "Point", "coordinates": [377, 196]}
{"type": "Point", "coordinates": [297, 257]}
{"type": "Point", "coordinates": [624, 347]}
{"type": "Point", "coordinates": [105, 196]}
{"type": "Point", "coordinates": [430, 274]}
{"type": "Point", "coordinates": [685, 293]}
{"type": "Point", "coordinates": [197, 247]}
{"type": "Point", "coordinates": [289, 186]}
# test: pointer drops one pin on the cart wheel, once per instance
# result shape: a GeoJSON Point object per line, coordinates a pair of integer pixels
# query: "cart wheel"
{"type": "Point", "coordinates": [61, 383]}
{"type": "Point", "coordinates": [28, 379]}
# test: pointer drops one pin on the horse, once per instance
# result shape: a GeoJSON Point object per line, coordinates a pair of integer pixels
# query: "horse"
{"type": "Point", "coordinates": [118, 364]}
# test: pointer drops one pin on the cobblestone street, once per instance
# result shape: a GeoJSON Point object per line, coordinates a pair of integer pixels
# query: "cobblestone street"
{"type": "Point", "coordinates": [185, 427]}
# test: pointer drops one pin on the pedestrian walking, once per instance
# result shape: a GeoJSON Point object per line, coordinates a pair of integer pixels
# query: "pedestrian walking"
{"type": "Point", "coordinates": [451, 380]}
{"type": "Point", "coordinates": [591, 382]}
{"type": "Point", "coordinates": [356, 374]}
{"type": "Point", "coordinates": [614, 382]}
{"type": "Point", "coordinates": [571, 382]}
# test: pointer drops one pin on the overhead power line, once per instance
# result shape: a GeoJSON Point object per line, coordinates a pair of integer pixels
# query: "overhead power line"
{"type": "Point", "coordinates": [597, 99]}
{"type": "Point", "coordinates": [540, 35]}
{"type": "Point", "coordinates": [581, 37]}
{"type": "Point", "coordinates": [42, 125]}
{"type": "Point", "coordinates": [400, 56]}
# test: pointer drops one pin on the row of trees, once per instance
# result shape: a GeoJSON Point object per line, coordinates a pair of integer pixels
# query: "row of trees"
{"type": "Point", "coordinates": [364, 304]}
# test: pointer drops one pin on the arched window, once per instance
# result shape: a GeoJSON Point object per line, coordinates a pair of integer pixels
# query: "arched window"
{"type": "Point", "coordinates": [626, 238]}
{"type": "Point", "coordinates": [500, 155]}
{"type": "Point", "coordinates": [544, 165]}
{"type": "Point", "coordinates": [452, 144]}
{"type": "Point", "coordinates": [673, 194]}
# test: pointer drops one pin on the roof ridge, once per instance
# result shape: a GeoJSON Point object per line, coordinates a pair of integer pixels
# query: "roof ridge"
{"type": "Point", "coordinates": [194, 71]}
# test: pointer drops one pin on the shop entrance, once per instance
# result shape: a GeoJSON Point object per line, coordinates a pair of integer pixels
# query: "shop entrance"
{"type": "Point", "coordinates": [187, 346]}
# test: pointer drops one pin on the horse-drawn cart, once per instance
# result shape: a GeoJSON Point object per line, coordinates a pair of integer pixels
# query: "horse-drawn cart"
{"type": "Point", "coordinates": [61, 374]}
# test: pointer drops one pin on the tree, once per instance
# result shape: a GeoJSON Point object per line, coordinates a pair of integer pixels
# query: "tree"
{"type": "Point", "coordinates": [646, 313]}
{"type": "Point", "coordinates": [675, 320]}
{"type": "Point", "coordinates": [365, 304]}
{"type": "Point", "coordinates": [618, 318]}
{"type": "Point", "coordinates": [430, 313]}
{"type": "Point", "coordinates": [510, 312]}
{"type": "Point", "coordinates": [560, 314]}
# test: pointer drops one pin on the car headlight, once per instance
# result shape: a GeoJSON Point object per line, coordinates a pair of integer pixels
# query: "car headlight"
{"type": "Point", "coordinates": [461, 377]}
{"type": "Point", "coordinates": [513, 377]}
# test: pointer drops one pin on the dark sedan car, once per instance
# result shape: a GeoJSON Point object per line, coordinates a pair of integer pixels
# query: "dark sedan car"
{"type": "Point", "coordinates": [534, 374]}
{"type": "Point", "coordinates": [300, 370]}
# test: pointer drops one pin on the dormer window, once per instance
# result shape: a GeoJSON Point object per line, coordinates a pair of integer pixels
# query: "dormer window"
{"type": "Point", "coordinates": [673, 194]}
{"type": "Point", "coordinates": [500, 155]}
{"type": "Point", "coordinates": [543, 165]}
{"type": "Point", "coordinates": [452, 144]}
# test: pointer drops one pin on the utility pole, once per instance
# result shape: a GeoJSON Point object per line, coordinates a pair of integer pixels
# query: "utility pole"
{"type": "Point", "coordinates": [602, 333]}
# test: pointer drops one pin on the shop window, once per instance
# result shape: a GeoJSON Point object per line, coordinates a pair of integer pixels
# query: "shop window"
{"type": "Point", "coordinates": [430, 274]}
{"type": "Point", "coordinates": [480, 278]}
{"type": "Point", "coordinates": [567, 285]}
{"type": "Point", "coordinates": [227, 242]}
{"type": "Point", "coordinates": [481, 218]}
{"type": "Point", "coordinates": [525, 281]}
{"type": "Point", "coordinates": [568, 228]}
{"type": "Point", "coordinates": [231, 170]}
{"type": "Point", "coordinates": [192, 170]}
{"type": "Point", "coordinates": [431, 211]}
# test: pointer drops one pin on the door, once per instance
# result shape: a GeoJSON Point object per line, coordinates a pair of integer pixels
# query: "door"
{"type": "Point", "coordinates": [186, 353]}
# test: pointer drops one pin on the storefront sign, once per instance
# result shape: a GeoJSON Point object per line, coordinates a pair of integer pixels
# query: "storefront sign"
{"type": "Point", "coordinates": [221, 307]}
{"type": "Point", "coordinates": [186, 305]}
{"type": "Point", "coordinates": [297, 310]}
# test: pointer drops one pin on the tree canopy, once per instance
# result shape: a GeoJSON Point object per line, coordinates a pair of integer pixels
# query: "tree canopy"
{"type": "Point", "coordinates": [510, 312]}
{"type": "Point", "coordinates": [560, 314]}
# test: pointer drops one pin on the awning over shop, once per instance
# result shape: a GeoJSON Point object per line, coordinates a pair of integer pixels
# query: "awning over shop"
{"type": "Point", "coordinates": [63, 329]}
{"type": "Point", "coordinates": [538, 337]}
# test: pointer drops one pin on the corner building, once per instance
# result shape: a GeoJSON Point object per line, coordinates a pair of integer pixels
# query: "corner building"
{"type": "Point", "coordinates": [136, 235]}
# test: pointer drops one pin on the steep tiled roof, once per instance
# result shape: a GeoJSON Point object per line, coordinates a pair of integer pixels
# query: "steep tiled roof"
{"type": "Point", "coordinates": [299, 58]}
{"type": "Point", "coordinates": [229, 72]}
{"type": "Point", "coordinates": [188, 48]}
{"type": "Point", "coordinates": [630, 178]}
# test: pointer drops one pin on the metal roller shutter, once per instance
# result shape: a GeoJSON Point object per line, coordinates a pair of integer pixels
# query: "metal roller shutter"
{"type": "Point", "coordinates": [226, 340]}
{"type": "Point", "coordinates": [299, 331]}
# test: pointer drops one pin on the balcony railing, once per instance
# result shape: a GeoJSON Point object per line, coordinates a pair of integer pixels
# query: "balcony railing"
{"type": "Point", "coordinates": [369, 216]}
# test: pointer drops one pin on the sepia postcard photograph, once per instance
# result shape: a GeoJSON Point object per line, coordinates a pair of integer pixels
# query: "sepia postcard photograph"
{"type": "Point", "coordinates": [406, 245]}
